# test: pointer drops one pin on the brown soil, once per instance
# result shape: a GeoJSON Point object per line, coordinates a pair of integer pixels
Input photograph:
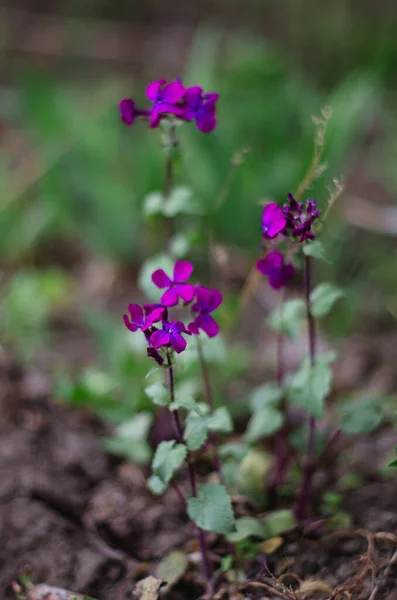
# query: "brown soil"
{"type": "Point", "coordinates": [82, 520]}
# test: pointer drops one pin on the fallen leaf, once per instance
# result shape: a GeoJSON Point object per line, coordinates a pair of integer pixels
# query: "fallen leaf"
{"type": "Point", "coordinates": [48, 592]}
{"type": "Point", "coordinates": [271, 545]}
{"type": "Point", "coordinates": [172, 567]}
{"type": "Point", "coordinates": [148, 588]}
{"type": "Point", "coordinates": [312, 587]}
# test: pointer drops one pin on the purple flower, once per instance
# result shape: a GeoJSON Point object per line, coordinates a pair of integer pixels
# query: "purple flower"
{"type": "Point", "coordinates": [277, 272]}
{"type": "Point", "coordinates": [129, 112]}
{"type": "Point", "coordinates": [177, 287]}
{"type": "Point", "coordinates": [299, 219]}
{"type": "Point", "coordinates": [273, 220]}
{"type": "Point", "coordinates": [206, 302]}
{"type": "Point", "coordinates": [152, 353]}
{"type": "Point", "coordinates": [200, 107]}
{"type": "Point", "coordinates": [136, 319]}
{"type": "Point", "coordinates": [165, 98]}
{"type": "Point", "coordinates": [170, 335]}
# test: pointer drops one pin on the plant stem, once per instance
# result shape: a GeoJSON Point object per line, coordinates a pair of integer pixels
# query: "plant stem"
{"type": "Point", "coordinates": [309, 469]}
{"type": "Point", "coordinates": [169, 178]}
{"type": "Point", "coordinates": [200, 534]}
{"type": "Point", "coordinates": [210, 401]}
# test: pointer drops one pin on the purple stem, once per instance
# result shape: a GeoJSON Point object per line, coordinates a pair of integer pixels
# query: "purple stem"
{"type": "Point", "coordinates": [309, 469]}
{"type": "Point", "coordinates": [200, 535]}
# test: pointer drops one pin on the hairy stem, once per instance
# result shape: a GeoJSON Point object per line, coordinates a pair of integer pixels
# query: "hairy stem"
{"type": "Point", "coordinates": [309, 469]}
{"type": "Point", "coordinates": [200, 534]}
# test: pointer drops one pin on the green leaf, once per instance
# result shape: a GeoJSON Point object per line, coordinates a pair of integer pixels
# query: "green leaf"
{"type": "Point", "coordinates": [145, 283]}
{"type": "Point", "coordinates": [315, 249]}
{"type": "Point", "coordinates": [180, 245]}
{"type": "Point", "coordinates": [130, 439]}
{"type": "Point", "coordinates": [152, 370]}
{"type": "Point", "coordinates": [247, 527]}
{"type": "Point", "coordinates": [264, 422]}
{"type": "Point", "coordinates": [212, 509]}
{"type": "Point", "coordinates": [198, 426]}
{"type": "Point", "coordinates": [220, 420]}
{"type": "Point", "coordinates": [393, 463]}
{"type": "Point", "coordinates": [252, 472]}
{"type": "Point", "coordinates": [156, 486]}
{"type": "Point", "coordinates": [153, 204]}
{"type": "Point", "coordinates": [196, 431]}
{"type": "Point", "coordinates": [288, 318]}
{"type": "Point", "coordinates": [180, 202]}
{"type": "Point", "coordinates": [265, 395]}
{"type": "Point", "coordinates": [158, 393]}
{"type": "Point", "coordinates": [323, 297]}
{"type": "Point", "coordinates": [172, 567]}
{"type": "Point", "coordinates": [235, 450]}
{"type": "Point", "coordinates": [278, 522]}
{"type": "Point", "coordinates": [310, 386]}
{"type": "Point", "coordinates": [360, 416]}
{"type": "Point", "coordinates": [167, 459]}
{"type": "Point", "coordinates": [227, 563]}
{"type": "Point", "coordinates": [188, 403]}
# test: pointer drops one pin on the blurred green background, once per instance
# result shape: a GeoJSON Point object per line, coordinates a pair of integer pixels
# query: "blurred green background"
{"type": "Point", "coordinates": [73, 178]}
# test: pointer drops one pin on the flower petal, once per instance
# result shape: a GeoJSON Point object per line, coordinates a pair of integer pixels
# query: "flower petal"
{"type": "Point", "coordinates": [189, 113]}
{"type": "Point", "coordinates": [161, 279]}
{"type": "Point", "coordinates": [273, 220]}
{"type": "Point", "coordinates": [136, 313]}
{"type": "Point", "coordinates": [182, 271]}
{"type": "Point", "coordinates": [131, 326]}
{"type": "Point", "coordinates": [193, 96]}
{"type": "Point", "coordinates": [208, 325]}
{"type": "Point", "coordinates": [185, 291]}
{"type": "Point", "coordinates": [156, 315]}
{"type": "Point", "coordinates": [192, 327]}
{"type": "Point", "coordinates": [206, 122]}
{"type": "Point", "coordinates": [215, 300]}
{"type": "Point", "coordinates": [270, 264]}
{"type": "Point", "coordinates": [160, 338]}
{"type": "Point", "coordinates": [203, 299]}
{"type": "Point", "coordinates": [276, 281]}
{"type": "Point", "coordinates": [211, 98]}
{"type": "Point", "coordinates": [170, 297]}
{"type": "Point", "coordinates": [173, 92]}
{"type": "Point", "coordinates": [178, 342]}
{"type": "Point", "coordinates": [128, 112]}
{"type": "Point", "coordinates": [178, 327]}
{"type": "Point", "coordinates": [153, 89]}
{"type": "Point", "coordinates": [155, 117]}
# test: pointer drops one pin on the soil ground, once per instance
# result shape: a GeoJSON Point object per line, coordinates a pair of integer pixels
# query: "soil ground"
{"type": "Point", "coordinates": [80, 519]}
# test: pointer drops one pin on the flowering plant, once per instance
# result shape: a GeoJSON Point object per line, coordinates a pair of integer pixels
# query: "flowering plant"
{"type": "Point", "coordinates": [182, 315]}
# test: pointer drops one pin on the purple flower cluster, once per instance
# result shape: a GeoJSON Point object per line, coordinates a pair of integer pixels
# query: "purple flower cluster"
{"type": "Point", "coordinates": [171, 333]}
{"type": "Point", "coordinates": [300, 218]}
{"type": "Point", "coordinates": [295, 219]}
{"type": "Point", "coordinates": [173, 99]}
